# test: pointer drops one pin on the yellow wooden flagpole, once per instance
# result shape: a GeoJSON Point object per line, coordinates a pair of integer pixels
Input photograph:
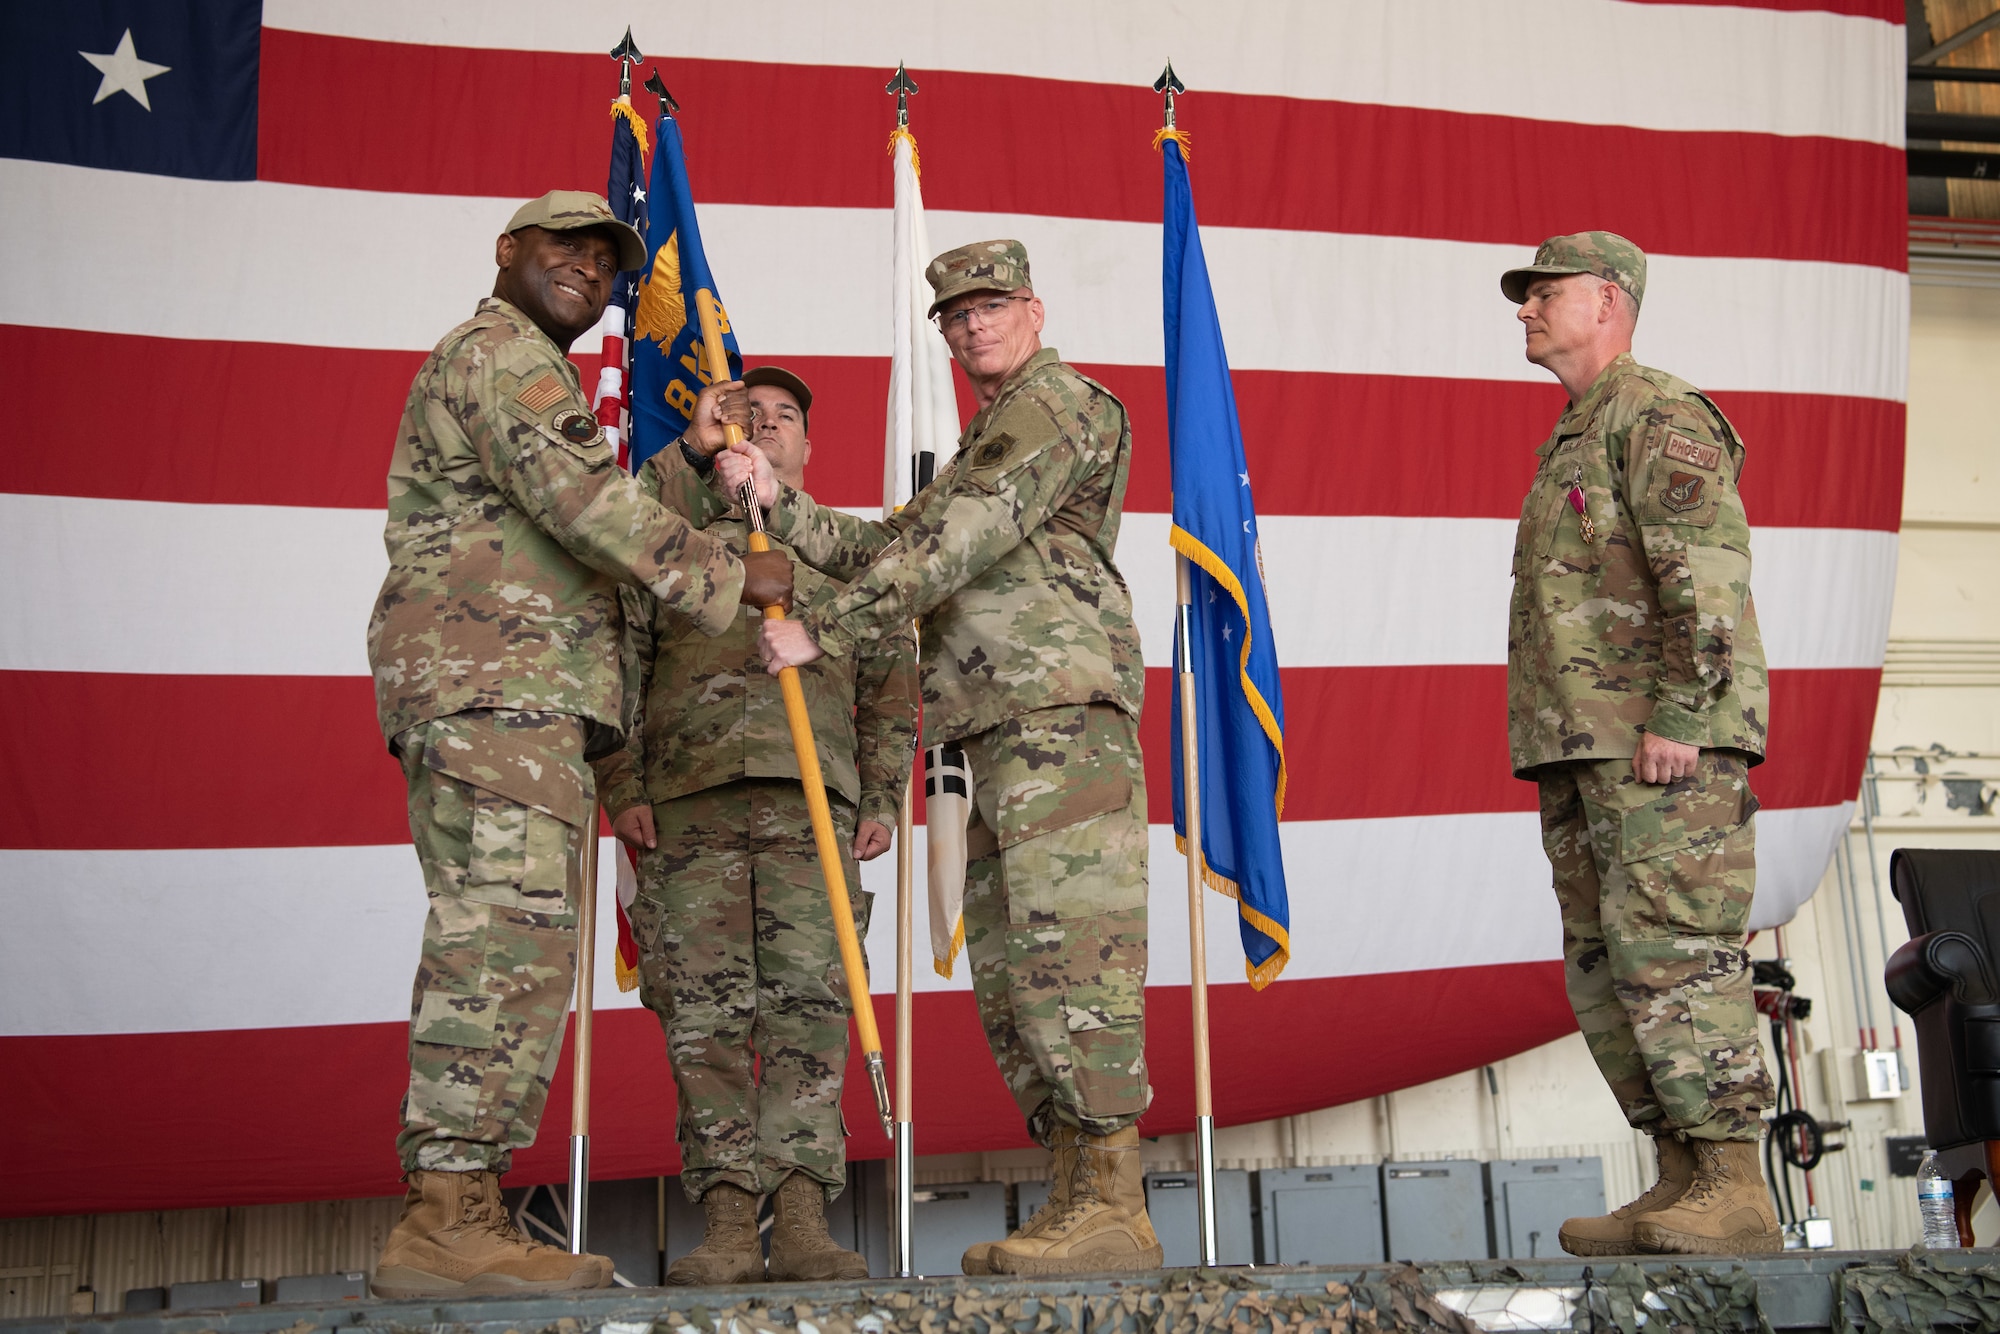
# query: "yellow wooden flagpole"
{"type": "Point", "coordinates": [716, 359]}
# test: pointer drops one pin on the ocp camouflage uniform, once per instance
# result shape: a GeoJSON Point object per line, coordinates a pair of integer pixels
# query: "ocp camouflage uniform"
{"type": "Point", "coordinates": [494, 648]}
{"type": "Point", "coordinates": [1635, 615]}
{"type": "Point", "coordinates": [737, 953]}
{"type": "Point", "coordinates": [1030, 657]}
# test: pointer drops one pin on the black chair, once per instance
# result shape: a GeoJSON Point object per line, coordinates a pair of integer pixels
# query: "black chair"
{"type": "Point", "coordinates": [1948, 979]}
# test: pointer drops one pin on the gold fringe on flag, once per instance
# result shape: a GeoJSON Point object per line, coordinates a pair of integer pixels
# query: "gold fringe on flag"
{"type": "Point", "coordinates": [1164, 133]}
{"type": "Point", "coordinates": [623, 107]}
{"type": "Point", "coordinates": [903, 132]}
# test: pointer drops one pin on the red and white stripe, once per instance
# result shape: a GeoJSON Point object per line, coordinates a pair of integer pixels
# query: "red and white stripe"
{"type": "Point", "coordinates": [212, 910]}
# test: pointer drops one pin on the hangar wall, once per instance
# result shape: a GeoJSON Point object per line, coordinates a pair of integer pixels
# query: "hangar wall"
{"type": "Point", "coordinates": [1937, 754]}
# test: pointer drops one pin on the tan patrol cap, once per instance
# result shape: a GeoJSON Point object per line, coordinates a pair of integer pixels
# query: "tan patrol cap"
{"type": "Point", "coordinates": [983, 266]}
{"type": "Point", "coordinates": [780, 378]}
{"type": "Point", "coordinates": [567, 210]}
{"type": "Point", "coordinates": [1605, 254]}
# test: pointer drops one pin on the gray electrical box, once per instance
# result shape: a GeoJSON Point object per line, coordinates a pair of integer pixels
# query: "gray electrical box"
{"type": "Point", "coordinates": [1319, 1215]}
{"type": "Point", "coordinates": [145, 1299]}
{"type": "Point", "coordinates": [214, 1296]}
{"type": "Point", "coordinates": [1435, 1210]}
{"type": "Point", "coordinates": [1532, 1196]}
{"type": "Point", "coordinates": [1173, 1201]}
{"type": "Point", "coordinates": [320, 1288]}
{"type": "Point", "coordinates": [625, 1225]}
{"type": "Point", "coordinates": [946, 1219]}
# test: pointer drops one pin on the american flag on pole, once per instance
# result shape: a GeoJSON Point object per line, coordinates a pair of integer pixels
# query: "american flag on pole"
{"type": "Point", "coordinates": [252, 226]}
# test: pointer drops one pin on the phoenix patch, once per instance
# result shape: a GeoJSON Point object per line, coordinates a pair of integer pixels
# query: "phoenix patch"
{"type": "Point", "coordinates": [1682, 492]}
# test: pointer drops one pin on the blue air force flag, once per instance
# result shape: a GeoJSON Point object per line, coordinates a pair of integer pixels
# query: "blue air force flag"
{"type": "Point", "coordinates": [668, 366]}
{"type": "Point", "coordinates": [1240, 715]}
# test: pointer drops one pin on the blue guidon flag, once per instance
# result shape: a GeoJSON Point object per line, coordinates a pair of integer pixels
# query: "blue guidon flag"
{"type": "Point", "coordinates": [668, 368]}
{"type": "Point", "coordinates": [1240, 713]}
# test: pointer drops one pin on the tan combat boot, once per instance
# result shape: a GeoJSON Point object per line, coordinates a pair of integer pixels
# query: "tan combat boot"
{"type": "Point", "coordinates": [801, 1248]}
{"type": "Point", "coordinates": [455, 1239]}
{"type": "Point", "coordinates": [1062, 1143]}
{"type": "Point", "coordinates": [1104, 1227]}
{"type": "Point", "coordinates": [1727, 1211]}
{"type": "Point", "coordinates": [1611, 1234]}
{"type": "Point", "coordinates": [730, 1251]}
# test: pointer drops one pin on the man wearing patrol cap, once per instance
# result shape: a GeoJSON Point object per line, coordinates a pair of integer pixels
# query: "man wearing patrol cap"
{"type": "Point", "coordinates": [737, 954]}
{"type": "Point", "coordinates": [1031, 662]}
{"type": "Point", "coordinates": [1637, 700]}
{"type": "Point", "coordinates": [494, 648]}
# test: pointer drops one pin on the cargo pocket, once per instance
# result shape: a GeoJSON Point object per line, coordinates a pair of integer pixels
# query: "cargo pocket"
{"type": "Point", "coordinates": [1689, 857]}
{"type": "Point", "coordinates": [519, 856]}
{"type": "Point", "coordinates": [1107, 1039]}
{"type": "Point", "coordinates": [1086, 869]}
{"type": "Point", "coordinates": [451, 1020]}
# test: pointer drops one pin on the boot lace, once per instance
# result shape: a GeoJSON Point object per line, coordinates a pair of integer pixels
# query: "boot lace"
{"type": "Point", "coordinates": [1708, 1173]}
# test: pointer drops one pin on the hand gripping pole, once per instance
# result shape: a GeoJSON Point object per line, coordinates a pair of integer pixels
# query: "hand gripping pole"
{"type": "Point", "coordinates": [717, 363]}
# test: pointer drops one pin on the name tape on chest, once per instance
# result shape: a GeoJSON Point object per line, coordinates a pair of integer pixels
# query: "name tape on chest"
{"type": "Point", "coordinates": [543, 394]}
{"type": "Point", "coordinates": [1694, 452]}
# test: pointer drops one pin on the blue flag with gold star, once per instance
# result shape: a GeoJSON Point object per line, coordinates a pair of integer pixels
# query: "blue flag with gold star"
{"type": "Point", "coordinates": [668, 366]}
{"type": "Point", "coordinates": [1240, 713]}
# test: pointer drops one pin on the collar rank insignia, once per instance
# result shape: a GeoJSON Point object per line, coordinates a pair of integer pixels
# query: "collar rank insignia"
{"type": "Point", "coordinates": [1682, 492]}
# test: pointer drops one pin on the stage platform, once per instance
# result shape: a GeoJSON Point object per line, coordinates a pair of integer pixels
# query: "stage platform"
{"type": "Point", "coordinates": [1880, 1290]}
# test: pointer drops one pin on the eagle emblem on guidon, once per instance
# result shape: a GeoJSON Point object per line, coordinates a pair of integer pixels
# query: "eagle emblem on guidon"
{"type": "Point", "coordinates": [1682, 492]}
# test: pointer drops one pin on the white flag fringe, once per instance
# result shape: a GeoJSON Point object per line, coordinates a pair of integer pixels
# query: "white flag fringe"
{"type": "Point", "coordinates": [922, 435]}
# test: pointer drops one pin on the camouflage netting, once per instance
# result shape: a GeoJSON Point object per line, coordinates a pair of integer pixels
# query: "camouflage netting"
{"type": "Point", "coordinates": [1179, 1301]}
{"type": "Point", "coordinates": [1915, 1297]}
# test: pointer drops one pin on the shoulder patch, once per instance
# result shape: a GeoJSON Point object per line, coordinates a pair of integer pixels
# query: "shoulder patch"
{"type": "Point", "coordinates": [577, 427]}
{"type": "Point", "coordinates": [1683, 491]}
{"type": "Point", "coordinates": [993, 450]}
{"type": "Point", "coordinates": [542, 394]}
{"type": "Point", "coordinates": [1693, 452]}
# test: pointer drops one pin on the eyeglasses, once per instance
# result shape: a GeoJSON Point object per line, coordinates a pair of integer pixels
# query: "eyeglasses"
{"type": "Point", "coordinates": [987, 311]}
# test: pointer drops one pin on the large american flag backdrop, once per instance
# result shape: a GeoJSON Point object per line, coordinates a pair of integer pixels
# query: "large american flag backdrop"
{"type": "Point", "coordinates": [211, 911]}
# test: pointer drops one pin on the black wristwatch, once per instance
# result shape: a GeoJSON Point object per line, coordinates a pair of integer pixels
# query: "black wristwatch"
{"type": "Point", "coordinates": [703, 464]}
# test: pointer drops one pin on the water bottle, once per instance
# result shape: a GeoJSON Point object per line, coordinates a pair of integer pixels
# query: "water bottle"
{"type": "Point", "coordinates": [1934, 1203]}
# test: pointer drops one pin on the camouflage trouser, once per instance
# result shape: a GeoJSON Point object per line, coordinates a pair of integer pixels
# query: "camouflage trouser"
{"type": "Point", "coordinates": [499, 957]}
{"type": "Point", "coordinates": [1655, 885]}
{"type": "Point", "coordinates": [1055, 913]}
{"type": "Point", "coordinates": [737, 957]}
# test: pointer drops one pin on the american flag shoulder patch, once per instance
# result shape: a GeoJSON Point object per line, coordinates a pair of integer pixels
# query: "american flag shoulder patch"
{"type": "Point", "coordinates": [543, 394]}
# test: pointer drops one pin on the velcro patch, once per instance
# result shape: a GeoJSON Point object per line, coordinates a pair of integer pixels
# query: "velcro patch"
{"type": "Point", "coordinates": [577, 427]}
{"type": "Point", "coordinates": [1706, 457]}
{"type": "Point", "coordinates": [543, 394]}
{"type": "Point", "coordinates": [1682, 491]}
{"type": "Point", "coordinates": [993, 450]}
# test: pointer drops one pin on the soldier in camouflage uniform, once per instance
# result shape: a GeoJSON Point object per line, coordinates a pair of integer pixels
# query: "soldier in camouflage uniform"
{"type": "Point", "coordinates": [1637, 700]}
{"type": "Point", "coordinates": [494, 648]}
{"type": "Point", "coordinates": [1031, 660]}
{"type": "Point", "coordinates": [737, 954]}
